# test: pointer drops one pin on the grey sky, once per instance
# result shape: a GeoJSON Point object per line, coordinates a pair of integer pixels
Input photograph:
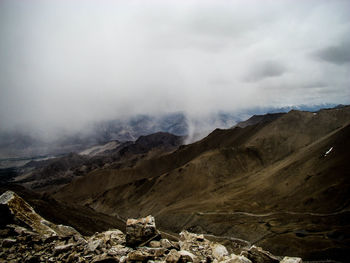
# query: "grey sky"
{"type": "Point", "coordinates": [64, 63]}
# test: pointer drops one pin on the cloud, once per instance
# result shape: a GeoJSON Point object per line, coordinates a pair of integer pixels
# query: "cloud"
{"type": "Point", "coordinates": [64, 64]}
{"type": "Point", "coordinates": [337, 54]}
{"type": "Point", "coordinates": [266, 69]}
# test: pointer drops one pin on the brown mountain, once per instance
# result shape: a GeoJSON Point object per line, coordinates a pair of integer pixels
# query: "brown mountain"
{"type": "Point", "coordinates": [47, 175]}
{"type": "Point", "coordinates": [282, 183]}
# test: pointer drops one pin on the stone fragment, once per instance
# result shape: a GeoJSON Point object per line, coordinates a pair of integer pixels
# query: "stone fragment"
{"type": "Point", "coordinates": [141, 230]}
{"type": "Point", "coordinates": [173, 256]}
{"type": "Point", "coordinates": [291, 260]}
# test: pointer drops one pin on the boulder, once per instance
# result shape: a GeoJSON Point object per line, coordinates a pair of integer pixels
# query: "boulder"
{"type": "Point", "coordinates": [15, 210]}
{"type": "Point", "coordinates": [291, 260]}
{"type": "Point", "coordinates": [218, 250]}
{"type": "Point", "coordinates": [139, 231]}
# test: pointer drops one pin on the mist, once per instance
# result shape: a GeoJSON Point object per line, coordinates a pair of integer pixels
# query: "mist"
{"type": "Point", "coordinates": [65, 64]}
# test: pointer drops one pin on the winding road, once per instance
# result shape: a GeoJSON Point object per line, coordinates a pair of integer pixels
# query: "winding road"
{"type": "Point", "coordinates": [274, 213]}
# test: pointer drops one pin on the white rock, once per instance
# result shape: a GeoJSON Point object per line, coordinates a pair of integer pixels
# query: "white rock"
{"type": "Point", "coordinates": [236, 259]}
{"type": "Point", "coordinates": [291, 260]}
{"type": "Point", "coordinates": [219, 251]}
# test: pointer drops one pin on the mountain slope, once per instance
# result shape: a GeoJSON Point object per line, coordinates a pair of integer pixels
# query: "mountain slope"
{"type": "Point", "coordinates": [276, 172]}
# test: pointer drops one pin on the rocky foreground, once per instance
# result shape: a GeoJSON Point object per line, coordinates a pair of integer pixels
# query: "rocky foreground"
{"type": "Point", "coordinates": [27, 237]}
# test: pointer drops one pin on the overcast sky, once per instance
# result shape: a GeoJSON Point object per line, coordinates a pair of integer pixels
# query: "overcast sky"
{"type": "Point", "coordinates": [64, 63]}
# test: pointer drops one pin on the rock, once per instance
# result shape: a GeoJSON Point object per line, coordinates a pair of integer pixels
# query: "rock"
{"type": "Point", "coordinates": [258, 255]}
{"type": "Point", "coordinates": [218, 250]}
{"type": "Point", "coordinates": [200, 237]}
{"type": "Point", "coordinates": [118, 250]}
{"type": "Point", "coordinates": [92, 245]}
{"type": "Point", "coordinates": [154, 244]}
{"type": "Point", "coordinates": [138, 255]}
{"type": "Point", "coordinates": [173, 256]}
{"type": "Point", "coordinates": [200, 246]}
{"type": "Point", "coordinates": [154, 252]}
{"type": "Point", "coordinates": [168, 244]}
{"type": "Point", "coordinates": [8, 242]}
{"type": "Point", "coordinates": [187, 256]}
{"type": "Point", "coordinates": [18, 209]}
{"type": "Point", "coordinates": [114, 237]}
{"type": "Point", "coordinates": [141, 230]}
{"type": "Point", "coordinates": [62, 248]}
{"type": "Point", "coordinates": [291, 260]}
{"type": "Point", "coordinates": [123, 259]}
{"type": "Point", "coordinates": [235, 259]}
{"type": "Point", "coordinates": [13, 209]}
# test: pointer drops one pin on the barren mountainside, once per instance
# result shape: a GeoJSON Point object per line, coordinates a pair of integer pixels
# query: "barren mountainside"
{"type": "Point", "coordinates": [280, 182]}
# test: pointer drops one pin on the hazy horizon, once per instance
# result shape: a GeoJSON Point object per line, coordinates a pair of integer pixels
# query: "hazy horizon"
{"type": "Point", "coordinates": [65, 64]}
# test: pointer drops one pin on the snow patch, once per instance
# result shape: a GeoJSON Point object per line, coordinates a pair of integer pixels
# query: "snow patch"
{"type": "Point", "coordinates": [330, 149]}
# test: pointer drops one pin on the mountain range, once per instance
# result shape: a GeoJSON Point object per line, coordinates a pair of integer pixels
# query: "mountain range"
{"type": "Point", "coordinates": [278, 180]}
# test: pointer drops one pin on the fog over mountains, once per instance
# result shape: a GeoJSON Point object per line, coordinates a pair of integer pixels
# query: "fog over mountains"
{"type": "Point", "coordinates": [26, 144]}
{"type": "Point", "coordinates": [65, 64]}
